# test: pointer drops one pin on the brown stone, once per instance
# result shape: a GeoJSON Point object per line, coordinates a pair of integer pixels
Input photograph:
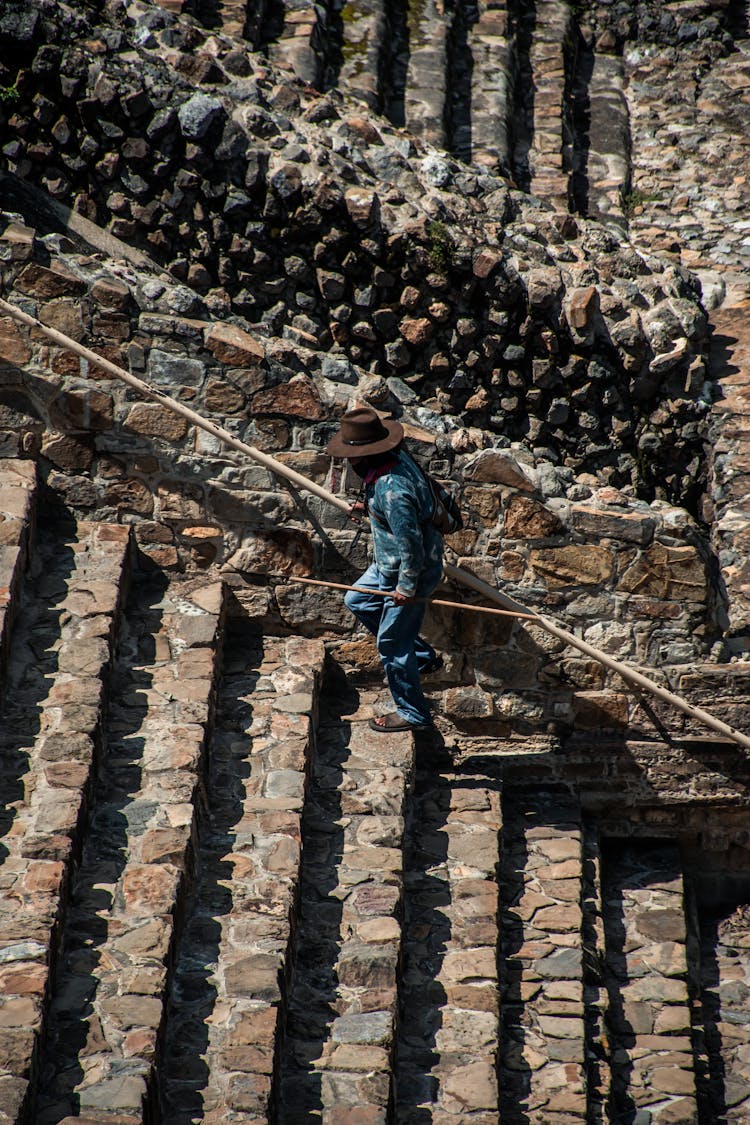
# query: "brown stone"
{"type": "Point", "coordinates": [13, 346]}
{"type": "Point", "coordinates": [676, 573]}
{"type": "Point", "coordinates": [256, 976]}
{"type": "Point", "coordinates": [110, 293]}
{"type": "Point", "coordinates": [68, 775]}
{"type": "Point", "coordinates": [233, 346]}
{"type": "Point", "coordinates": [223, 397]}
{"type": "Point", "coordinates": [471, 1087]}
{"type": "Point", "coordinates": [417, 330]}
{"type": "Point", "coordinates": [495, 466]}
{"type": "Point", "coordinates": [156, 421]}
{"type": "Point", "coordinates": [573, 565]}
{"type": "Point", "coordinates": [528, 519]}
{"type": "Point", "coordinates": [164, 845]}
{"type": "Point", "coordinates": [298, 398]}
{"type": "Point", "coordinates": [82, 410]}
{"type": "Point", "coordinates": [57, 281]}
{"type": "Point", "coordinates": [64, 315]}
{"type": "Point", "coordinates": [485, 261]}
{"type": "Point", "coordinates": [149, 888]}
{"type": "Point", "coordinates": [44, 875]}
{"type": "Point", "coordinates": [28, 979]}
{"type": "Point", "coordinates": [257, 1027]}
{"type": "Point", "coordinates": [127, 1012]}
{"type": "Point", "coordinates": [67, 452]}
{"type": "Point", "coordinates": [468, 703]}
{"type": "Point", "coordinates": [584, 304]}
{"type": "Point", "coordinates": [595, 710]}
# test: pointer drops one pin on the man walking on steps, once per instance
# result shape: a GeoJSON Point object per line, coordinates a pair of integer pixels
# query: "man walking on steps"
{"type": "Point", "coordinates": [408, 559]}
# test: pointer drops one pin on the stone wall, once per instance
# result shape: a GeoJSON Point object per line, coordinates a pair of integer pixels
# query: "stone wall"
{"type": "Point", "coordinates": [633, 578]}
{"type": "Point", "coordinates": [331, 229]}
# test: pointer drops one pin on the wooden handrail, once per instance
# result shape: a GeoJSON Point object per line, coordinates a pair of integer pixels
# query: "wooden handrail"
{"type": "Point", "coordinates": [458, 574]}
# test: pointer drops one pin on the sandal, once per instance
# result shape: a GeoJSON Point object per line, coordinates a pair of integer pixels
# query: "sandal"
{"type": "Point", "coordinates": [386, 724]}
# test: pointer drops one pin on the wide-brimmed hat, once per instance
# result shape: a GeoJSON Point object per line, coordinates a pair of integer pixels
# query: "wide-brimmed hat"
{"type": "Point", "coordinates": [364, 432]}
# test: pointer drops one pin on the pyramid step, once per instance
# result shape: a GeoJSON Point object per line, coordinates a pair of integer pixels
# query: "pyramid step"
{"type": "Point", "coordinates": [542, 1054]}
{"type": "Point", "coordinates": [300, 45]}
{"type": "Point", "coordinates": [426, 78]}
{"type": "Point", "coordinates": [492, 80]}
{"type": "Point", "coordinates": [721, 1016]}
{"type": "Point", "coordinates": [365, 35]}
{"type": "Point", "coordinates": [645, 972]}
{"type": "Point", "coordinates": [51, 727]}
{"type": "Point", "coordinates": [106, 1007]}
{"type": "Point", "coordinates": [551, 50]}
{"type": "Point", "coordinates": [608, 162]}
{"type": "Point", "coordinates": [341, 1015]}
{"type": "Point", "coordinates": [18, 497]}
{"type": "Point", "coordinates": [446, 1056]}
{"type": "Point", "coordinates": [232, 961]}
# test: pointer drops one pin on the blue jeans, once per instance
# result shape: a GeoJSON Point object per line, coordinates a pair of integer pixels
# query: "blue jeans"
{"type": "Point", "coordinates": [403, 652]}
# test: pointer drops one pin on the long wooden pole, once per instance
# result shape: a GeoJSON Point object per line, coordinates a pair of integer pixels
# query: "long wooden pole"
{"type": "Point", "coordinates": [458, 574]}
{"type": "Point", "coordinates": [427, 601]}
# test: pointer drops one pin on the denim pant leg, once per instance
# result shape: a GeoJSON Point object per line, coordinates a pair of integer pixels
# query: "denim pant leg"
{"type": "Point", "coordinates": [369, 608]}
{"type": "Point", "coordinates": [399, 630]}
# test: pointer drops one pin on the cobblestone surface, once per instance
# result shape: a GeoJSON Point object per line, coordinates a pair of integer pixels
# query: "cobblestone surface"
{"type": "Point", "coordinates": [724, 996]}
{"type": "Point", "coordinates": [50, 727]}
{"type": "Point", "coordinates": [343, 1000]}
{"type": "Point", "coordinates": [646, 972]}
{"type": "Point", "coordinates": [233, 959]}
{"type": "Point", "coordinates": [542, 1059]}
{"type": "Point", "coordinates": [448, 1036]}
{"type": "Point", "coordinates": [106, 1008]}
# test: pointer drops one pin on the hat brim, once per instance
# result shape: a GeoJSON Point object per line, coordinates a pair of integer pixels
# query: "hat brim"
{"type": "Point", "coordinates": [338, 448]}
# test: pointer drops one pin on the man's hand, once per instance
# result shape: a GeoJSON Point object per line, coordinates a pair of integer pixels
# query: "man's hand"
{"type": "Point", "coordinates": [357, 510]}
{"type": "Point", "coordinates": [399, 598]}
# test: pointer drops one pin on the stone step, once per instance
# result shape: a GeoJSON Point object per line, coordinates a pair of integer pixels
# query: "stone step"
{"type": "Point", "coordinates": [50, 733]}
{"type": "Point", "coordinates": [18, 497]}
{"type": "Point", "coordinates": [721, 1014]}
{"type": "Point", "coordinates": [301, 43]}
{"type": "Point", "coordinates": [542, 1055]}
{"type": "Point", "coordinates": [233, 957]}
{"type": "Point", "coordinates": [426, 77]}
{"type": "Point", "coordinates": [446, 1055]}
{"type": "Point", "coordinates": [336, 1059]}
{"type": "Point", "coordinates": [551, 55]}
{"type": "Point", "coordinates": [492, 81]}
{"type": "Point", "coordinates": [364, 40]}
{"type": "Point", "coordinates": [107, 1004]}
{"type": "Point", "coordinates": [607, 171]}
{"type": "Point", "coordinates": [645, 974]}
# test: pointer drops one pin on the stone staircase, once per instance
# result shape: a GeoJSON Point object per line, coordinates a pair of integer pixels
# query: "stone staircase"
{"type": "Point", "coordinates": [222, 898]}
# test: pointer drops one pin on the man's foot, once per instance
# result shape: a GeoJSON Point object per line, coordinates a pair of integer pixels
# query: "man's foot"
{"type": "Point", "coordinates": [434, 665]}
{"type": "Point", "coordinates": [387, 724]}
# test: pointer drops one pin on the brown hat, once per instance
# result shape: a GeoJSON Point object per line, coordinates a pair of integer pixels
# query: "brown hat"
{"type": "Point", "coordinates": [363, 432]}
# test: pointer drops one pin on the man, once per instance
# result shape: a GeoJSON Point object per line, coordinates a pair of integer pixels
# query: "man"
{"type": "Point", "coordinates": [408, 559]}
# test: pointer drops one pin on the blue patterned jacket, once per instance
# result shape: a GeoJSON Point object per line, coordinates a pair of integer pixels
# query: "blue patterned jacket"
{"type": "Point", "coordinates": [405, 543]}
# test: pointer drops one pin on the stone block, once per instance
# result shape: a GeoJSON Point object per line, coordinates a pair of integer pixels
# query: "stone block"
{"type": "Point", "coordinates": [44, 283]}
{"type": "Point", "coordinates": [234, 346]}
{"type": "Point", "coordinates": [14, 347]}
{"type": "Point", "coordinates": [468, 703]}
{"type": "Point", "coordinates": [153, 420]}
{"type": "Point", "coordinates": [573, 565]}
